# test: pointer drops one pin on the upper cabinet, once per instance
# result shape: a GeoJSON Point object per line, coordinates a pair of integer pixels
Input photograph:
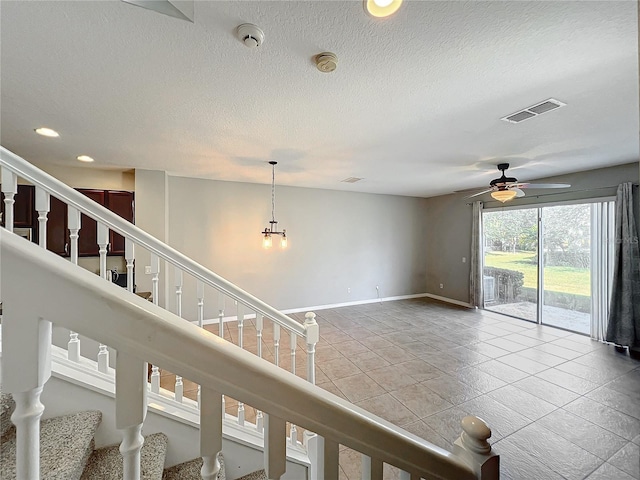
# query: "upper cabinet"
{"type": "Point", "coordinates": [24, 213]}
{"type": "Point", "coordinates": [25, 216]}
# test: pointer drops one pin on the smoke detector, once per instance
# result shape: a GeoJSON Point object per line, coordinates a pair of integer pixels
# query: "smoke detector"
{"type": "Point", "coordinates": [250, 35]}
{"type": "Point", "coordinates": [326, 62]}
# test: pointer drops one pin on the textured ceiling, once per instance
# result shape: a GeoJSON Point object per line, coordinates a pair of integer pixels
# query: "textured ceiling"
{"type": "Point", "coordinates": [413, 107]}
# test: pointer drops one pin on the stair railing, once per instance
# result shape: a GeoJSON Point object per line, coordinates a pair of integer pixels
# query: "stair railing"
{"type": "Point", "coordinates": [227, 296]}
{"type": "Point", "coordinates": [34, 281]}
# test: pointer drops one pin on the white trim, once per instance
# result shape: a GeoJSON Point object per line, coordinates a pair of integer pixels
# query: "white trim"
{"type": "Point", "coordinates": [233, 318]}
{"type": "Point", "coordinates": [448, 300]}
{"type": "Point", "coordinates": [357, 302]}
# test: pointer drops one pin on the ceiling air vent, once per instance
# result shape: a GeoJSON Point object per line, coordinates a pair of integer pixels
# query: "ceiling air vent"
{"type": "Point", "coordinates": [351, 180]}
{"type": "Point", "coordinates": [533, 111]}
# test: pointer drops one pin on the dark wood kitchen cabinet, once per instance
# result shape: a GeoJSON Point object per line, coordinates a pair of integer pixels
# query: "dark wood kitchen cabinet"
{"type": "Point", "coordinates": [121, 203]}
{"type": "Point", "coordinates": [25, 216]}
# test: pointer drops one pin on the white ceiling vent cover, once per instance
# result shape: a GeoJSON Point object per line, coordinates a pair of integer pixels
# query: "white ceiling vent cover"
{"type": "Point", "coordinates": [351, 180]}
{"type": "Point", "coordinates": [533, 111]}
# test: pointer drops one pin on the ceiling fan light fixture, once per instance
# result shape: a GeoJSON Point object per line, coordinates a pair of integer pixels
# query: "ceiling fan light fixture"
{"type": "Point", "coordinates": [504, 195]}
{"type": "Point", "coordinates": [382, 8]}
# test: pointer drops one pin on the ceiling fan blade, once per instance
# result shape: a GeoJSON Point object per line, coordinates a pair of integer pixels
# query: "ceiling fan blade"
{"type": "Point", "coordinates": [480, 193]}
{"type": "Point", "coordinates": [543, 185]}
{"type": "Point", "coordinates": [519, 193]}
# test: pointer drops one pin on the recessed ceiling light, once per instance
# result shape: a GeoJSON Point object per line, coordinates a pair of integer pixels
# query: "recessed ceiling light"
{"type": "Point", "coordinates": [382, 8]}
{"type": "Point", "coordinates": [85, 158]}
{"type": "Point", "coordinates": [47, 132]}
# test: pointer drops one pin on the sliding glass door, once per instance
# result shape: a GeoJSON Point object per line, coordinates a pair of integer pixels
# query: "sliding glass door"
{"type": "Point", "coordinates": [566, 267]}
{"type": "Point", "coordinates": [510, 281]}
{"type": "Point", "coordinates": [538, 263]}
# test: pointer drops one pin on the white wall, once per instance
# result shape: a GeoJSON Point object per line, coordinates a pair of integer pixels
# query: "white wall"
{"type": "Point", "coordinates": [78, 177]}
{"type": "Point", "coordinates": [337, 241]}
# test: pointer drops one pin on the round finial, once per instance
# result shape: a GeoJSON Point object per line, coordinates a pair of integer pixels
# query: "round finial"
{"type": "Point", "coordinates": [476, 432]}
{"type": "Point", "coordinates": [309, 317]}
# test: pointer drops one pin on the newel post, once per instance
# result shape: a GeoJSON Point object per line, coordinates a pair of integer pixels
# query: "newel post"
{"type": "Point", "coordinates": [473, 448]}
{"type": "Point", "coordinates": [313, 335]}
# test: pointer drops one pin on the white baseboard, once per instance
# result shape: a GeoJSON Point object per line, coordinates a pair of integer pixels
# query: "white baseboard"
{"type": "Point", "coordinates": [357, 302]}
{"type": "Point", "coordinates": [448, 300]}
{"type": "Point", "coordinates": [215, 321]}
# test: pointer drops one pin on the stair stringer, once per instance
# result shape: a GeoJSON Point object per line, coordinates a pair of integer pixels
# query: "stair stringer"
{"type": "Point", "coordinates": [74, 387]}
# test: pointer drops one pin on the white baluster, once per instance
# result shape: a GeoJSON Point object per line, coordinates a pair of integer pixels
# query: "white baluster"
{"type": "Point", "coordinates": [26, 364]}
{"type": "Point", "coordinates": [129, 257]}
{"type": "Point", "coordinates": [103, 359]}
{"type": "Point", "coordinates": [313, 335]}
{"type": "Point", "coordinates": [43, 206]}
{"type": "Point", "coordinates": [73, 347]}
{"type": "Point", "coordinates": [199, 396]}
{"type": "Point", "coordinates": [178, 284]}
{"type": "Point", "coordinates": [473, 448]}
{"type": "Point", "coordinates": [240, 318]}
{"type": "Point", "coordinates": [155, 278]}
{"type": "Point", "coordinates": [179, 389]}
{"type": "Point", "coordinates": [103, 244]}
{"type": "Point", "coordinates": [9, 188]}
{"type": "Point", "coordinates": [275, 447]}
{"type": "Point", "coordinates": [259, 327]}
{"type": "Point", "coordinates": [293, 432]}
{"type": "Point", "coordinates": [155, 379]}
{"type": "Point", "coordinates": [131, 409]}
{"type": "Point", "coordinates": [211, 415]}
{"type": "Point", "coordinates": [74, 224]}
{"type": "Point", "coordinates": [200, 295]}
{"type": "Point", "coordinates": [292, 344]}
{"type": "Point", "coordinates": [26, 418]}
{"type": "Point", "coordinates": [315, 449]}
{"type": "Point", "coordinates": [371, 469]}
{"type": "Point", "coordinates": [331, 460]}
{"type": "Point", "coordinates": [276, 344]}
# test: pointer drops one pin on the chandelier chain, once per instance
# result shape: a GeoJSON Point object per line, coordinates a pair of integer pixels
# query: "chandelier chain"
{"type": "Point", "coordinates": [273, 193]}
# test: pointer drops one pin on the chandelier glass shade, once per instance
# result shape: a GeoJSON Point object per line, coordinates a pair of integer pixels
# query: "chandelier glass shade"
{"type": "Point", "coordinates": [272, 229]}
{"type": "Point", "coordinates": [503, 195]}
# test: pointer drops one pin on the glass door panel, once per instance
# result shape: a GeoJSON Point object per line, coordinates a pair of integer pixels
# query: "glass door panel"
{"type": "Point", "coordinates": [510, 280]}
{"type": "Point", "coordinates": [566, 274]}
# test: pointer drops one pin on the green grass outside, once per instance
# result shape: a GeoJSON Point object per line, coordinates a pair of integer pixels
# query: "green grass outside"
{"type": "Point", "coordinates": [557, 279]}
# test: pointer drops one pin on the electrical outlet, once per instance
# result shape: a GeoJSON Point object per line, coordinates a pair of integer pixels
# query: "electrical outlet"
{"type": "Point", "coordinates": [348, 290]}
{"type": "Point", "coordinates": [147, 269]}
{"type": "Point", "coordinates": [464, 259]}
{"type": "Point", "coordinates": [441, 285]}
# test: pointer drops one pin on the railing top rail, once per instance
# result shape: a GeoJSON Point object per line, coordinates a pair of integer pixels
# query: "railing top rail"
{"type": "Point", "coordinates": [129, 324]}
{"type": "Point", "coordinates": [71, 197]}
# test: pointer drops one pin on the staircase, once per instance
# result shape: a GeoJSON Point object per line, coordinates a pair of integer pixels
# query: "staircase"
{"type": "Point", "coordinates": [44, 295]}
{"type": "Point", "coordinates": [67, 451]}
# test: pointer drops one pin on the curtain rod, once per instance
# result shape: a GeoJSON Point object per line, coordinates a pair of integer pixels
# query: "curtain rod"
{"type": "Point", "coordinates": [564, 193]}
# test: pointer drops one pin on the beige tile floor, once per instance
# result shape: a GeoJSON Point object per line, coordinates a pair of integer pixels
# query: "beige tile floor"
{"type": "Point", "coordinates": [560, 406]}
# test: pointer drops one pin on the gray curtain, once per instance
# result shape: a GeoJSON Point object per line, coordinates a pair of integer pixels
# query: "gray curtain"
{"type": "Point", "coordinates": [624, 311]}
{"type": "Point", "coordinates": [475, 279]}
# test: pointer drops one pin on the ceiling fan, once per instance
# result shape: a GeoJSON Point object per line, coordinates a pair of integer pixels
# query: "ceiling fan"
{"type": "Point", "coordinates": [507, 188]}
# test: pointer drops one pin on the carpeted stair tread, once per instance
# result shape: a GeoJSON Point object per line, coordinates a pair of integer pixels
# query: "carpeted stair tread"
{"type": "Point", "coordinates": [106, 463]}
{"type": "Point", "coordinates": [7, 406]}
{"type": "Point", "coordinates": [65, 445]}
{"type": "Point", "coordinates": [191, 470]}
{"type": "Point", "coordinates": [257, 475]}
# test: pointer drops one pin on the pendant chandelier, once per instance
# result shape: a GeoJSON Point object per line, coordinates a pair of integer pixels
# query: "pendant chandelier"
{"type": "Point", "coordinates": [267, 233]}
